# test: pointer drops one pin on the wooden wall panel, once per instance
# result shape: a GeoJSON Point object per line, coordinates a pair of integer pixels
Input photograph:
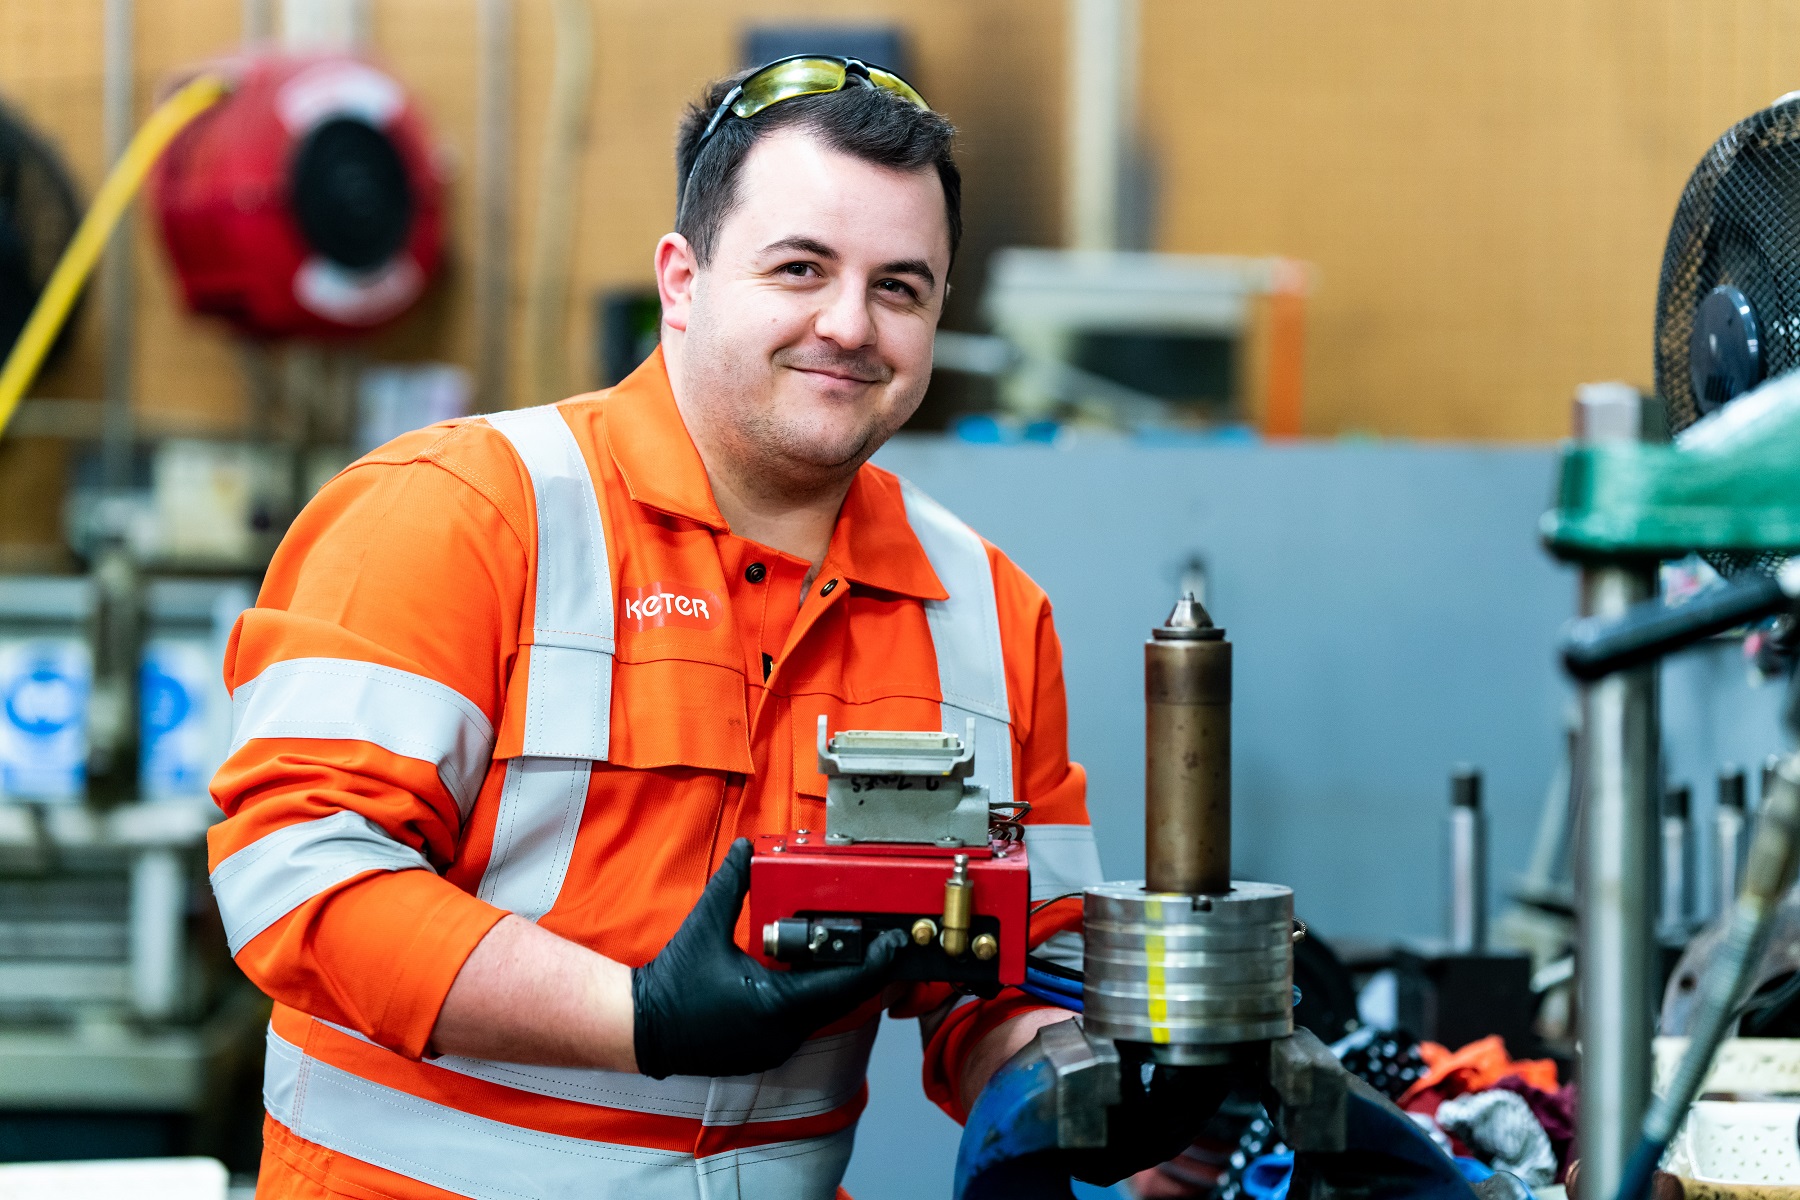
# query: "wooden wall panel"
{"type": "Point", "coordinates": [991, 65]}
{"type": "Point", "coordinates": [1484, 188]}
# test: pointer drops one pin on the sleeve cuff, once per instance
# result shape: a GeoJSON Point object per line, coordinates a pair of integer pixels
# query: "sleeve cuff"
{"type": "Point", "coordinates": [377, 955]}
{"type": "Point", "coordinates": [948, 1051]}
{"type": "Point", "coordinates": [448, 925]}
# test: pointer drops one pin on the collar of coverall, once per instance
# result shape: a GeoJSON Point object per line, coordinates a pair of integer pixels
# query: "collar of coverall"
{"type": "Point", "coordinates": [873, 544]}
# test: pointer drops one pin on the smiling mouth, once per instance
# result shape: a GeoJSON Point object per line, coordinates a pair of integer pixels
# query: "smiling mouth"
{"type": "Point", "coordinates": [838, 375]}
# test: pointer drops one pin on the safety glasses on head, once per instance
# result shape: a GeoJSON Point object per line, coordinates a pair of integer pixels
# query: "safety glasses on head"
{"type": "Point", "coordinates": [803, 75]}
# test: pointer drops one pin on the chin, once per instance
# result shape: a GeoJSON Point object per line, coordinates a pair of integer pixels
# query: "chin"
{"type": "Point", "coordinates": [827, 449]}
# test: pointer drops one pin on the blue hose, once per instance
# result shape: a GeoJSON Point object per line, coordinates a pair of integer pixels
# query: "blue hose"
{"type": "Point", "coordinates": [1060, 999]}
{"type": "Point", "coordinates": [1053, 983]}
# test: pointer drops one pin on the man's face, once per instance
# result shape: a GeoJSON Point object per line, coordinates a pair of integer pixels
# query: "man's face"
{"type": "Point", "coordinates": [806, 341]}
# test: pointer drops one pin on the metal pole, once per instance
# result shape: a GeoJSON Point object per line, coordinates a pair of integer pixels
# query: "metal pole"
{"type": "Point", "coordinates": [258, 19]}
{"type": "Point", "coordinates": [493, 187]}
{"type": "Point", "coordinates": [1616, 966]}
{"type": "Point", "coordinates": [1674, 920]}
{"type": "Point", "coordinates": [1728, 842]}
{"type": "Point", "coordinates": [1103, 74]}
{"type": "Point", "coordinates": [118, 119]}
{"type": "Point", "coordinates": [1468, 864]}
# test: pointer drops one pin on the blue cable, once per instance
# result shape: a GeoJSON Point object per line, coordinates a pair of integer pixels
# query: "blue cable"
{"type": "Point", "coordinates": [1053, 983]}
{"type": "Point", "coordinates": [1059, 999]}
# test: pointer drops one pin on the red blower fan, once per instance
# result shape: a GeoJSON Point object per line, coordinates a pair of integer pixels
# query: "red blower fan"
{"type": "Point", "coordinates": [306, 203]}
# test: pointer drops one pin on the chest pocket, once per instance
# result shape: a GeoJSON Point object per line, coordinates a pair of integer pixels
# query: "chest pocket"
{"type": "Point", "coordinates": [971, 668]}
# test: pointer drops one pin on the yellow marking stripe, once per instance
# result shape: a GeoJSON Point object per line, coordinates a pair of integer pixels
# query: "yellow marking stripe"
{"type": "Point", "coordinates": [1153, 954]}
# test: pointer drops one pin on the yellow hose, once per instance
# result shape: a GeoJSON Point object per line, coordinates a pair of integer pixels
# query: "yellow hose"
{"type": "Point", "coordinates": [83, 251]}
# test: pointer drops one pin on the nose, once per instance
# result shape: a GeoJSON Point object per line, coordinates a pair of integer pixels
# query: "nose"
{"type": "Point", "coordinates": [844, 316]}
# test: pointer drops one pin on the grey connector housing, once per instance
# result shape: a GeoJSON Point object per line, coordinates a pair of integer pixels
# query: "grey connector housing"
{"type": "Point", "coordinates": [902, 786]}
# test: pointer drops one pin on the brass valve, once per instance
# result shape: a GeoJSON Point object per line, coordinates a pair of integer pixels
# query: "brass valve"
{"type": "Point", "coordinates": [924, 931]}
{"type": "Point", "coordinates": [985, 946]}
{"type": "Point", "coordinates": [959, 903]}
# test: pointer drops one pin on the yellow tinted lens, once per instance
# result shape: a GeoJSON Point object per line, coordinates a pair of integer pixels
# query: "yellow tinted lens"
{"type": "Point", "coordinates": [893, 83]}
{"type": "Point", "coordinates": [784, 81]}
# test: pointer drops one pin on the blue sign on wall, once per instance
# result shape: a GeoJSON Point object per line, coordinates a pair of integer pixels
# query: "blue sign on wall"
{"type": "Point", "coordinates": [44, 686]}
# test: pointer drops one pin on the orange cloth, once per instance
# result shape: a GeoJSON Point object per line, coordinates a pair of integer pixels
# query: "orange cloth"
{"type": "Point", "coordinates": [1477, 1067]}
{"type": "Point", "coordinates": [420, 558]}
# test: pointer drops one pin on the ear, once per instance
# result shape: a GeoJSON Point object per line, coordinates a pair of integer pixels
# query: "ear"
{"type": "Point", "coordinates": [676, 269]}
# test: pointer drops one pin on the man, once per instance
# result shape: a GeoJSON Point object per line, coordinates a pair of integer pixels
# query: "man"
{"type": "Point", "coordinates": [517, 687]}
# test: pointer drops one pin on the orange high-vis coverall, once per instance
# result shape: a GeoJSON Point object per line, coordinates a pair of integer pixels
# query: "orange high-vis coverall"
{"type": "Point", "coordinates": [520, 663]}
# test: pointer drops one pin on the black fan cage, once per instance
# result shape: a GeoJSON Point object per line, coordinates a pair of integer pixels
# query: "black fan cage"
{"type": "Point", "coordinates": [1738, 224]}
{"type": "Point", "coordinates": [38, 215]}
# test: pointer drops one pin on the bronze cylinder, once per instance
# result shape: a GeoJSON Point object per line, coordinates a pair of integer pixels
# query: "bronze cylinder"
{"type": "Point", "coordinates": [1187, 761]}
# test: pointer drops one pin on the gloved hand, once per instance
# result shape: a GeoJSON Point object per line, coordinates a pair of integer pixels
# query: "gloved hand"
{"type": "Point", "coordinates": [704, 1007]}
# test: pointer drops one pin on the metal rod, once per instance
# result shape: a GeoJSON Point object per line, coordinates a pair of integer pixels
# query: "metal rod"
{"type": "Point", "coordinates": [1468, 863]}
{"type": "Point", "coordinates": [258, 19]}
{"type": "Point", "coordinates": [1674, 919]}
{"type": "Point", "coordinates": [1728, 838]}
{"type": "Point", "coordinates": [1187, 754]}
{"type": "Point", "coordinates": [1620, 788]}
{"type": "Point", "coordinates": [1103, 55]}
{"type": "Point", "coordinates": [493, 190]}
{"type": "Point", "coordinates": [1616, 968]}
{"type": "Point", "coordinates": [117, 310]}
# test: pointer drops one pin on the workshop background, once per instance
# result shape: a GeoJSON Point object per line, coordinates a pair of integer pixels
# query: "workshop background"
{"type": "Point", "coordinates": [1286, 303]}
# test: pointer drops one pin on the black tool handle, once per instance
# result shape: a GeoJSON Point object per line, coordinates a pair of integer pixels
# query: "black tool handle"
{"type": "Point", "coordinates": [1596, 647]}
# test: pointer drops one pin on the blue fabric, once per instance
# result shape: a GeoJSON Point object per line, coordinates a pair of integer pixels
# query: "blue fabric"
{"type": "Point", "coordinates": [1473, 1169]}
{"type": "Point", "coordinates": [1267, 1178]}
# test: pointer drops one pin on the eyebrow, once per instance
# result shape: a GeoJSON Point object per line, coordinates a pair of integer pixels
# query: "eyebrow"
{"type": "Point", "coordinates": [903, 266]}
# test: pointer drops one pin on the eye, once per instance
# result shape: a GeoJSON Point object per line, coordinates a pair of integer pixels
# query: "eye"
{"type": "Point", "coordinates": [896, 288]}
{"type": "Point", "coordinates": [798, 270]}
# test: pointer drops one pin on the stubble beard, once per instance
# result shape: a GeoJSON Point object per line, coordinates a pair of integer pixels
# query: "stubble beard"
{"type": "Point", "coordinates": [778, 453]}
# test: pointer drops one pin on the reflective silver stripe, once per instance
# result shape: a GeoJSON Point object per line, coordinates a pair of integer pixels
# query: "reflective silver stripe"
{"type": "Point", "coordinates": [534, 833]}
{"type": "Point", "coordinates": [823, 1075]}
{"type": "Point", "coordinates": [343, 699]}
{"type": "Point", "coordinates": [279, 871]}
{"type": "Point", "coordinates": [568, 702]}
{"type": "Point", "coordinates": [965, 632]}
{"type": "Point", "coordinates": [491, 1160]}
{"type": "Point", "coordinates": [1063, 859]}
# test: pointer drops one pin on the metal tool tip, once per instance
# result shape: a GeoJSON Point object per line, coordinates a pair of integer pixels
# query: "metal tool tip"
{"type": "Point", "coordinates": [1189, 619]}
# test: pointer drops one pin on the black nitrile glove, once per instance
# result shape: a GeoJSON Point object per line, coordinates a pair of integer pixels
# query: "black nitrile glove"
{"type": "Point", "coordinates": [704, 1007]}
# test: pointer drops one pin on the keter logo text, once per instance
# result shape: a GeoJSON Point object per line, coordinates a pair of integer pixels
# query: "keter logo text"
{"type": "Point", "coordinates": [669, 604]}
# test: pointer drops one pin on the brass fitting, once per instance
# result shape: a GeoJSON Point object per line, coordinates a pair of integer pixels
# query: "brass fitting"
{"type": "Point", "coordinates": [924, 931]}
{"type": "Point", "coordinates": [959, 903]}
{"type": "Point", "coordinates": [985, 946]}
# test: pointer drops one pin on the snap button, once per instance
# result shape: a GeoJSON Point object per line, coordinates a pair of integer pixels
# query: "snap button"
{"type": "Point", "coordinates": [830, 584]}
{"type": "Point", "coordinates": [756, 572]}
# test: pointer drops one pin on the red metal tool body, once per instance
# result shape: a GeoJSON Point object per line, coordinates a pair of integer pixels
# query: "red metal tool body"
{"type": "Point", "coordinates": [892, 885]}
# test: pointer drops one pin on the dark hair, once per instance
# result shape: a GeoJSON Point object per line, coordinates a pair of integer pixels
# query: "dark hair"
{"type": "Point", "coordinates": [866, 122]}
